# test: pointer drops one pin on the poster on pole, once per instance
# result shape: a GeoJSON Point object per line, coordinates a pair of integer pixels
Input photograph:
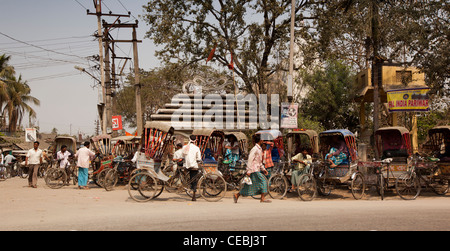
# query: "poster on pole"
{"type": "Point", "coordinates": [117, 123]}
{"type": "Point", "coordinates": [30, 135]}
{"type": "Point", "coordinates": [408, 100]}
{"type": "Point", "coordinates": [289, 115]}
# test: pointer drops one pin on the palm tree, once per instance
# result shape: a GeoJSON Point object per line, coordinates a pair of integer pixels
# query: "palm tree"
{"type": "Point", "coordinates": [14, 95]}
{"type": "Point", "coordinates": [6, 72]}
{"type": "Point", "coordinates": [18, 102]}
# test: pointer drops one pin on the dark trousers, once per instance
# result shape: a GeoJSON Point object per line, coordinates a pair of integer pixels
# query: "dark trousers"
{"type": "Point", "coordinates": [194, 177]}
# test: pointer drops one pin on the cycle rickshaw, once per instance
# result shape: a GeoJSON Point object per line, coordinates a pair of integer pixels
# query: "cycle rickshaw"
{"type": "Point", "coordinates": [124, 149]}
{"type": "Point", "coordinates": [212, 184]}
{"type": "Point", "coordinates": [297, 139]}
{"type": "Point", "coordinates": [234, 170]}
{"type": "Point", "coordinates": [324, 176]}
{"type": "Point", "coordinates": [428, 171]}
{"type": "Point", "coordinates": [147, 181]}
{"type": "Point", "coordinates": [103, 161]}
{"type": "Point", "coordinates": [393, 145]}
{"type": "Point", "coordinates": [56, 177]}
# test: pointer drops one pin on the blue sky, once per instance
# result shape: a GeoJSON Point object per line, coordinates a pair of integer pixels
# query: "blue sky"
{"type": "Point", "coordinates": [62, 27]}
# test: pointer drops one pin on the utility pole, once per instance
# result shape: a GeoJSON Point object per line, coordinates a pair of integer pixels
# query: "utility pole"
{"type": "Point", "coordinates": [291, 56]}
{"type": "Point", "coordinates": [105, 105]}
{"type": "Point", "coordinates": [137, 84]}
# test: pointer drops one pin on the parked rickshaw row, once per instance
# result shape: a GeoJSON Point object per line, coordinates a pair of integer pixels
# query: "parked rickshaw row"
{"type": "Point", "coordinates": [301, 161]}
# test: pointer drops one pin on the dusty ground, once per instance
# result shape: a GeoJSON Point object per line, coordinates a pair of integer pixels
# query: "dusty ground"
{"type": "Point", "coordinates": [69, 208]}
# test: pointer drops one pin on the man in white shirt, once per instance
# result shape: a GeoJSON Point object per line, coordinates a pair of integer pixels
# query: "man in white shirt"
{"type": "Point", "coordinates": [192, 156]}
{"type": "Point", "coordinates": [63, 157]}
{"type": "Point", "coordinates": [84, 156]}
{"type": "Point", "coordinates": [33, 160]}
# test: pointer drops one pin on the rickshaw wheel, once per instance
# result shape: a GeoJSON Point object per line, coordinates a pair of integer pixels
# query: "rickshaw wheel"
{"type": "Point", "coordinates": [55, 178]}
{"type": "Point", "coordinates": [439, 185]}
{"type": "Point", "coordinates": [213, 187]}
{"type": "Point", "coordinates": [74, 175]}
{"type": "Point", "coordinates": [99, 179]}
{"type": "Point", "coordinates": [408, 186]}
{"type": "Point", "coordinates": [358, 186]}
{"type": "Point", "coordinates": [324, 186]}
{"type": "Point", "coordinates": [307, 189]}
{"type": "Point", "coordinates": [110, 180]}
{"type": "Point", "coordinates": [278, 186]}
{"type": "Point", "coordinates": [146, 187]}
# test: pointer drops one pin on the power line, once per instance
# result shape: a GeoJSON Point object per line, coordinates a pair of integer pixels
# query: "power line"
{"type": "Point", "coordinates": [51, 39]}
{"type": "Point", "coordinates": [39, 47]}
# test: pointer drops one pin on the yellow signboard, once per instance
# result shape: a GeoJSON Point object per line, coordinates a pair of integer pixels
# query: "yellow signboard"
{"type": "Point", "coordinates": [408, 100]}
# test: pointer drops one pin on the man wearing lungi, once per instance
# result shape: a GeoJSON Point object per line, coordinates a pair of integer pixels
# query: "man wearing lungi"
{"type": "Point", "coordinates": [254, 166]}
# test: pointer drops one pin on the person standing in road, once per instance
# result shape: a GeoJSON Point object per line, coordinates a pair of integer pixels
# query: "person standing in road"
{"type": "Point", "coordinates": [192, 155]}
{"type": "Point", "coordinates": [254, 167]}
{"type": "Point", "coordinates": [63, 158]}
{"type": "Point", "coordinates": [84, 156]}
{"type": "Point", "coordinates": [33, 160]}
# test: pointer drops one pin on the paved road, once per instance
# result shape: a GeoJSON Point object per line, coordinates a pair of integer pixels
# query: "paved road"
{"type": "Point", "coordinates": [25, 208]}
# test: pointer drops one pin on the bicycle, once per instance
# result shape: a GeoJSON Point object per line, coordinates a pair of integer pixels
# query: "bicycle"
{"type": "Point", "coordinates": [212, 185]}
{"type": "Point", "coordinates": [409, 184]}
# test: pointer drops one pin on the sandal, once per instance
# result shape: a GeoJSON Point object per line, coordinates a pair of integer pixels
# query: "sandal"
{"type": "Point", "coordinates": [266, 201]}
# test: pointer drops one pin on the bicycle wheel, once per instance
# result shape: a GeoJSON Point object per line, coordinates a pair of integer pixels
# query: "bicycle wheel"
{"type": "Point", "coordinates": [439, 185]}
{"type": "Point", "coordinates": [99, 179]}
{"type": "Point", "coordinates": [358, 186]}
{"type": "Point", "coordinates": [278, 186]}
{"type": "Point", "coordinates": [55, 178]}
{"type": "Point", "coordinates": [174, 182]}
{"type": "Point", "coordinates": [145, 187]}
{"type": "Point", "coordinates": [213, 187]}
{"type": "Point", "coordinates": [307, 189]}
{"type": "Point", "coordinates": [407, 186]}
{"type": "Point", "coordinates": [110, 180]}
{"type": "Point", "coordinates": [75, 175]}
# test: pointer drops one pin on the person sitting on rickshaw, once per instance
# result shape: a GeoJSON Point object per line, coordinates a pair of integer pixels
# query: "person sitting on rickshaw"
{"type": "Point", "coordinates": [304, 161]}
{"type": "Point", "coordinates": [209, 158]}
{"type": "Point", "coordinates": [444, 154]}
{"type": "Point", "coordinates": [232, 152]}
{"type": "Point", "coordinates": [337, 154]}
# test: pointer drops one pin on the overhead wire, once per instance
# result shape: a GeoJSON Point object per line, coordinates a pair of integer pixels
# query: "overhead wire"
{"type": "Point", "coordinates": [39, 47]}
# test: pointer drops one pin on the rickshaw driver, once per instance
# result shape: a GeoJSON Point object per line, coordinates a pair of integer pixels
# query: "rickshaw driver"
{"type": "Point", "coordinates": [304, 161]}
{"type": "Point", "coordinates": [337, 154]}
{"type": "Point", "coordinates": [63, 157]}
{"type": "Point", "coordinates": [192, 156]}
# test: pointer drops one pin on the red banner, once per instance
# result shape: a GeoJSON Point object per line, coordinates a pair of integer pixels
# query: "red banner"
{"type": "Point", "coordinates": [117, 123]}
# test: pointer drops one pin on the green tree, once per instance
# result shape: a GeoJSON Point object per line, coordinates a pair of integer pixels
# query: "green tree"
{"type": "Point", "coordinates": [18, 102]}
{"type": "Point", "coordinates": [255, 33]}
{"type": "Point", "coordinates": [15, 98]}
{"type": "Point", "coordinates": [330, 101]}
{"type": "Point", "coordinates": [414, 33]}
